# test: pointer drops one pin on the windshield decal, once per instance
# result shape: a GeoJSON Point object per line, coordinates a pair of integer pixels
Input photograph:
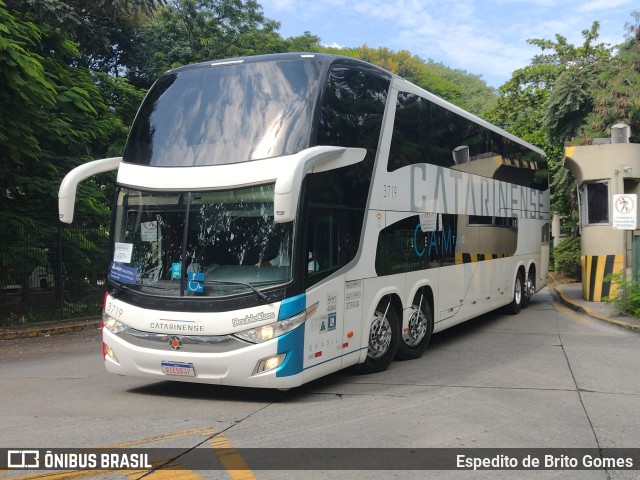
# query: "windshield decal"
{"type": "Point", "coordinates": [176, 271]}
{"type": "Point", "coordinates": [122, 252]}
{"type": "Point", "coordinates": [122, 273]}
{"type": "Point", "coordinates": [195, 282]}
{"type": "Point", "coordinates": [149, 231]}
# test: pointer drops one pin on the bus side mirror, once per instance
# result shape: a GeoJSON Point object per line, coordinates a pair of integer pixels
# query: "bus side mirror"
{"type": "Point", "coordinates": [67, 192]}
{"type": "Point", "coordinates": [312, 160]}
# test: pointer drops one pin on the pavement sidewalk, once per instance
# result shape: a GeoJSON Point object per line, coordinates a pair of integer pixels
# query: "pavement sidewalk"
{"type": "Point", "coordinates": [571, 295]}
{"type": "Point", "coordinates": [568, 293]}
{"type": "Point", "coordinates": [45, 329]}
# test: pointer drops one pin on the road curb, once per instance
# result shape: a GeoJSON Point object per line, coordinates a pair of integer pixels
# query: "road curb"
{"type": "Point", "coordinates": [584, 309]}
{"type": "Point", "coordinates": [45, 329]}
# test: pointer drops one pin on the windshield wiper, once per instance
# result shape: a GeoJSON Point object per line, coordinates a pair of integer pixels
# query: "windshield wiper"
{"type": "Point", "coordinates": [267, 299]}
{"type": "Point", "coordinates": [155, 287]}
{"type": "Point", "coordinates": [136, 286]}
{"type": "Point", "coordinates": [116, 291]}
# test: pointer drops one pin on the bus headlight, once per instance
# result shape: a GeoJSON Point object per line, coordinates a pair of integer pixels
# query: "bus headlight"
{"type": "Point", "coordinates": [113, 324]}
{"type": "Point", "coordinates": [273, 330]}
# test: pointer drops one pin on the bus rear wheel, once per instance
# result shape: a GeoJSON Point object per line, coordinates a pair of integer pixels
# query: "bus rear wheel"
{"type": "Point", "coordinates": [383, 339]}
{"type": "Point", "coordinates": [529, 288]}
{"type": "Point", "coordinates": [518, 295]}
{"type": "Point", "coordinates": [415, 339]}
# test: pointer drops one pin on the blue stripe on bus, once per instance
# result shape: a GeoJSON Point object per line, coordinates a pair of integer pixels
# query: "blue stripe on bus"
{"type": "Point", "coordinates": [292, 344]}
{"type": "Point", "coordinates": [292, 306]}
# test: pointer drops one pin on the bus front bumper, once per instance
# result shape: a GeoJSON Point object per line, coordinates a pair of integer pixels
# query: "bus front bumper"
{"type": "Point", "coordinates": [172, 361]}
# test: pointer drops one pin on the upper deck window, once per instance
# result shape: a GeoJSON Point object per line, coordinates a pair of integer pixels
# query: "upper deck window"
{"type": "Point", "coordinates": [211, 115]}
{"type": "Point", "coordinates": [425, 132]}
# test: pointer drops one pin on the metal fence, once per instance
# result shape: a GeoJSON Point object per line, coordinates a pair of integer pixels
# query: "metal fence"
{"type": "Point", "coordinates": [50, 270]}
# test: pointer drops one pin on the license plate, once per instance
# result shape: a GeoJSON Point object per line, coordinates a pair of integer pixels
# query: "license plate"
{"type": "Point", "coordinates": [178, 368]}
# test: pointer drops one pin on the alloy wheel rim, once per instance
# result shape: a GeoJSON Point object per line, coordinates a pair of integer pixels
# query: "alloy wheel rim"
{"type": "Point", "coordinates": [380, 336]}
{"type": "Point", "coordinates": [417, 328]}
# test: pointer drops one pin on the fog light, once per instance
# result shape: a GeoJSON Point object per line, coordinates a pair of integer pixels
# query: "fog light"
{"type": "Point", "coordinates": [107, 351]}
{"type": "Point", "coordinates": [269, 363]}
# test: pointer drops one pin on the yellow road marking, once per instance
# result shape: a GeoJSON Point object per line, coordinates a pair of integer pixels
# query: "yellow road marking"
{"type": "Point", "coordinates": [168, 436]}
{"type": "Point", "coordinates": [132, 474]}
{"type": "Point", "coordinates": [563, 309]}
{"type": "Point", "coordinates": [57, 475]}
{"type": "Point", "coordinates": [162, 474]}
{"type": "Point", "coordinates": [229, 457]}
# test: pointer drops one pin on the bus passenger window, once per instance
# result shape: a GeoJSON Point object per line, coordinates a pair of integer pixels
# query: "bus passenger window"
{"type": "Point", "coordinates": [332, 234]}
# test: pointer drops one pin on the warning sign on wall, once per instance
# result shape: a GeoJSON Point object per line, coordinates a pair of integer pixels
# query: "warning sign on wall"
{"type": "Point", "coordinates": [625, 211]}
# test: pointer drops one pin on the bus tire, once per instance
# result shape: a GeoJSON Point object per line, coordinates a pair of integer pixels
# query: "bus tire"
{"type": "Point", "coordinates": [518, 295]}
{"type": "Point", "coordinates": [383, 339]}
{"type": "Point", "coordinates": [414, 341]}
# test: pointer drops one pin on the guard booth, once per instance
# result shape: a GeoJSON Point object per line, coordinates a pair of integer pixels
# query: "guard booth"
{"type": "Point", "coordinates": [606, 171]}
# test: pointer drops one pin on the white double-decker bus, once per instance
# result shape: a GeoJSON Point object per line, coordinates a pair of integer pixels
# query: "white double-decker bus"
{"type": "Point", "coordinates": [282, 217]}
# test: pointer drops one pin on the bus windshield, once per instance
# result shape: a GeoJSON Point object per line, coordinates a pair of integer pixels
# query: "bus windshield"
{"type": "Point", "coordinates": [206, 243]}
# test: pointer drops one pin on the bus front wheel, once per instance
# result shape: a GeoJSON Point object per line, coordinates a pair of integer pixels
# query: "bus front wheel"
{"type": "Point", "coordinates": [415, 339]}
{"type": "Point", "coordinates": [383, 339]}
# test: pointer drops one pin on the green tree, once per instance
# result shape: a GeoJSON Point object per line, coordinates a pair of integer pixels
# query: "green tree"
{"type": "Point", "coordinates": [524, 100]}
{"type": "Point", "coordinates": [97, 34]}
{"type": "Point", "coordinates": [571, 97]}
{"type": "Point", "coordinates": [616, 95]}
{"type": "Point", "coordinates": [570, 101]}
{"type": "Point", "coordinates": [102, 29]}
{"type": "Point", "coordinates": [190, 31]}
{"type": "Point", "coordinates": [530, 107]}
{"type": "Point", "coordinates": [51, 111]}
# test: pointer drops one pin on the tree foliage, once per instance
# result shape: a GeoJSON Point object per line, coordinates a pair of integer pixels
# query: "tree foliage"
{"type": "Point", "coordinates": [51, 115]}
{"type": "Point", "coordinates": [570, 101]}
{"type": "Point", "coordinates": [50, 112]}
{"type": "Point", "coordinates": [190, 31]}
{"type": "Point", "coordinates": [616, 95]}
{"type": "Point", "coordinates": [566, 257]}
{"type": "Point", "coordinates": [546, 102]}
{"type": "Point", "coordinates": [102, 29]}
{"type": "Point", "coordinates": [571, 96]}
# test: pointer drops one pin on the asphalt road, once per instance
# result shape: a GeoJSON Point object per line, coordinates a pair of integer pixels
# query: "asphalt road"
{"type": "Point", "coordinates": [546, 378]}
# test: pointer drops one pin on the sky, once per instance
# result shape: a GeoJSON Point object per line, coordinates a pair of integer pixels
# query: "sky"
{"type": "Point", "coordinates": [483, 37]}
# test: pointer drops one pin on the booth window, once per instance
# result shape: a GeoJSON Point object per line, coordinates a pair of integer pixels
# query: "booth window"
{"type": "Point", "coordinates": [595, 202]}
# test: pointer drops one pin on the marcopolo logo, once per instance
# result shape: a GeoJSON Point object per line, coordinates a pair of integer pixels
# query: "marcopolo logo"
{"type": "Point", "coordinates": [253, 318]}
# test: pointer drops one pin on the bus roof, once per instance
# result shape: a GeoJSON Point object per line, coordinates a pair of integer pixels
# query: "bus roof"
{"type": "Point", "coordinates": [325, 58]}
